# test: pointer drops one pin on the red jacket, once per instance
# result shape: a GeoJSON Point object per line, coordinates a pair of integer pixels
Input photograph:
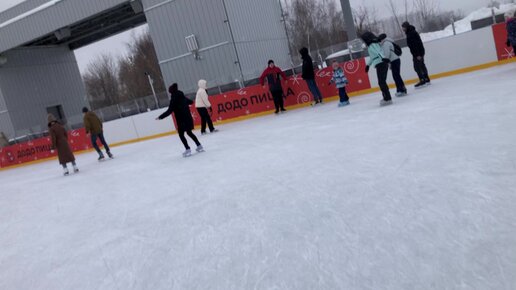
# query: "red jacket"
{"type": "Point", "coordinates": [273, 78]}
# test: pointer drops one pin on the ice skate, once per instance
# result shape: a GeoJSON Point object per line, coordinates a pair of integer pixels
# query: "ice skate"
{"type": "Point", "coordinates": [187, 153]}
{"type": "Point", "coordinates": [75, 169]}
{"type": "Point", "coordinates": [420, 85]}
{"type": "Point", "coordinates": [384, 103]}
{"type": "Point", "coordinates": [199, 149]}
{"type": "Point", "coordinates": [401, 94]}
{"type": "Point", "coordinates": [214, 131]}
{"type": "Point", "coordinates": [344, 104]}
{"type": "Point", "coordinates": [101, 158]}
{"type": "Point", "coordinates": [66, 172]}
{"type": "Point", "coordinates": [110, 155]}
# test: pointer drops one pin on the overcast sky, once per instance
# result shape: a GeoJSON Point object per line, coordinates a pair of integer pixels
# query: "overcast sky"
{"type": "Point", "coordinates": [117, 45]}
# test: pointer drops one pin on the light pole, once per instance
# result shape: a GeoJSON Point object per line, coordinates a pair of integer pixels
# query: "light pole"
{"type": "Point", "coordinates": [151, 82]}
{"type": "Point", "coordinates": [348, 18]}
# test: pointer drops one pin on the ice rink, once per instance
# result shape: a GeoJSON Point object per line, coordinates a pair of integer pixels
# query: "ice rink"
{"type": "Point", "coordinates": [418, 195]}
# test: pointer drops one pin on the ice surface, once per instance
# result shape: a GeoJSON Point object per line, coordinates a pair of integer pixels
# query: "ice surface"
{"type": "Point", "coordinates": [419, 195]}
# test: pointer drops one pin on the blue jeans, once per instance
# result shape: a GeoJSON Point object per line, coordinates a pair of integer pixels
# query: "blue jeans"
{"type": "Point", "coordinates": [312, 85]}
{"type": "Point", "coordinates": [102, 140]}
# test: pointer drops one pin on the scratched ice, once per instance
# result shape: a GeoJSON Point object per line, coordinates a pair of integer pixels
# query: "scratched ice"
{"type": "Point", "coordinates": [419, 195]}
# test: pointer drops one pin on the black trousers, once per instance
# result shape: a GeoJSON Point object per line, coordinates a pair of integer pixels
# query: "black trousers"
{"type": "Point", "coordinates": [191, 135]}
{"type": "Point", "coordinates": [205, 119]}
{"type": "Point", "coordinates": [277, 96]}
{"type": "Point", "coordinates": [396, 75]}
{"type": "Point", "coordinates": [420, 68]}
{"type": "Point", "coordinates": [381, 72]}
{"type": "Point", "coordinates": [102, 140]}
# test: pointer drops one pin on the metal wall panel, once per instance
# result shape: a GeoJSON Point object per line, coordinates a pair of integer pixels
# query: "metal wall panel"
{"type": "Point", "coordinates": [47, 21]}
{"type": "Point", "coordinates": [36, 78]}
{"type": "Point", "coordinates": [171, 22]}
{"type": "Point", "coordinates": [259, 34]}
{"type": "Point", "coordinates": [6, 125]}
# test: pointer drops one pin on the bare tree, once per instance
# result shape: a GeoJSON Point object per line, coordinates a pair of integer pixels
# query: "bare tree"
{"type": "Point", "coordinates": [425, 11]}
{"type": "Point", "coordinates": [140, 60]}
{"type": "Point", "coordinates": [101, 81]}
{"type": "Point", "coordinates": [315, 24]}
{"type": "Point", "coordinates": [395, 14]}
{"type": "Point", "coordinates": [366, 19]}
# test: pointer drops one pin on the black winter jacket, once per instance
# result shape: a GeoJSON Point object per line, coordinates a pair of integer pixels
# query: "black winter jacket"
{"type": "Point", "coordinates": [180, 106]}
{"type": "Point", "coordinates": [414, 42]}
{"type": "Point", "coordinates": [308, 65]}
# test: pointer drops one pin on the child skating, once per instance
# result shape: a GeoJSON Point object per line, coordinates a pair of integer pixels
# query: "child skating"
{"type": "Point", "coordinates": [340, 81]}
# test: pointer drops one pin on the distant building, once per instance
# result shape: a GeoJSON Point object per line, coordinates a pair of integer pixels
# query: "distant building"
{"type": "Point", "coordinates": [224, 42]}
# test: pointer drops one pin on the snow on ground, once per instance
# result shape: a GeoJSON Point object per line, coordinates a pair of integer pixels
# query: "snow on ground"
{"type": "Point", "coordinates": [419, 195]}
{"type": "Point", "coordinates": [461, 26]}
{"type": "Point", "coordinates": [464, 25]}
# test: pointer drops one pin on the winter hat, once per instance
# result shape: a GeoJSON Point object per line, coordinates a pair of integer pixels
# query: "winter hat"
{"type": "Point", "coordinates": [173, 88]}
{"type": "Point", "coordinates": [303, 51]}
{"type": "Point", "coordinates": [405, 24]}
{"type": "Point", "coordinates": [51, 118]}
{"type": "Point", "coordinates": [85, 110]}
{"type": "Point", "coordinates": [369, 38]}
{"type": "Point", "coordinates": [382, 36]}
{"type": "Point", "coordinates": [270, 61]}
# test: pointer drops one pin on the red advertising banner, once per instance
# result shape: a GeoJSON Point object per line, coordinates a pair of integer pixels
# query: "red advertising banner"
{"type": "Point", "coordinates": [247, 101]}
{"type": "Point", "coordinates": [500, 37]}
{"type": "Point", "coordinates": [257, 99]}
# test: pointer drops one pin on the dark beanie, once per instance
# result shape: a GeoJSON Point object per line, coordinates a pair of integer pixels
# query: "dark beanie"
{"type": "Point", "coordinates": [85, 110]}
{"type": "Point", "coordinates": [382, 36]}
{"type": "Point", "coordinates": [173, 88]}
{"type": "Point", "coordinates": [405, 24]}
{"type": "Point", "coordinates": [270, 61]}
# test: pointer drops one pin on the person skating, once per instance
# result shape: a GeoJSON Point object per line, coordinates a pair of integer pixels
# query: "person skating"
{"type": "Point", "coordinates": [180, 107]}
{"type": "Point", "coordinates": [94, 128]}
{"type": "Point", "coordinates": [340, 81]}
{"type": "Point", "coordinates": [389, 52]}
{"type": "Point", "coordinates": [378, 61]}
{"type": "Point", "coordinates": [511, 33]}
{"type": "Point", "coordinates": [309, 75]}
{"type": "Point", "coordinates": [59, 139]}
{"type": "Point", "coordinates": [417, 49]}
{"type": "Point", "coordinates": [203, 106]}
{"type": "Point", "coordinates": [273, 75]}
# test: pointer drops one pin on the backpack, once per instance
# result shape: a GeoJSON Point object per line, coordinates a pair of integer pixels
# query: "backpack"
{"type": "Point", "coordinates": [397, 49]}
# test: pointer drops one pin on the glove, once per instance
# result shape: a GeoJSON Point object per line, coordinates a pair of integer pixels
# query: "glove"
{"type": "Point", "coordinates": [367, 69]}
{"type": "Point", "coordinates": [386, 60]}
{"type": "Point", "coordinates": [508, 42]}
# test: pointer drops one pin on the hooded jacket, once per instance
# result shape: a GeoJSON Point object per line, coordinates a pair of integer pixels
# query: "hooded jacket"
{"type": "Point", "coordinates": [308, 65]}
{"type": "Point", "coordinates": [273, 76]}
{"type": "Point", "coordinates": [201, 99]}
{"type": "Point", "coordinates": [374, 49]}
{"type": "Point", "coordinates": [92, 123]}
{"type": "Point", "coordinates": [414, 41]}
{"type": "Point", "coordinates": [511, 31]}
{"type": "Point", "coordinates": [180, 107]}
{"type": "Point", "coordinates": [388, 48]}
{"type": "Point", "coordinates": [59, 139]}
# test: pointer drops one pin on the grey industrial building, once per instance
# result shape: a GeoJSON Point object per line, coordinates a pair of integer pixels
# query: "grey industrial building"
{"type": "Point", "coordinates": [222, 41]}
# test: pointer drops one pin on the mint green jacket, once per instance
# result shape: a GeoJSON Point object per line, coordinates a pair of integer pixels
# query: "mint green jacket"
{"type": "Point", "coordinates": [375, 55]}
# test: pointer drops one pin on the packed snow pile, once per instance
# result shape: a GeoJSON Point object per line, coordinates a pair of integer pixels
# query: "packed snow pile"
{"type": "Point", "coordinates": [461, 26]}
{"type": "Point", "coordinates": [464, 25]}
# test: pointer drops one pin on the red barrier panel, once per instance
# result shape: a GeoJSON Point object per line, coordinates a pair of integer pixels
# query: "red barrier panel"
{"type": "Point", "coordinates": [500, 37]}
{"type": "Point", "coordinates": [251, 100]}
{"type": "Point", "coordinates": [256, 99]}
{"type": "Point", "coordinates": [40, 149]}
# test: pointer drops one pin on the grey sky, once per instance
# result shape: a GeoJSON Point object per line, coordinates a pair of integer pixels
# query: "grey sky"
{"type": "Point", "coordinates": [116, 45]}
